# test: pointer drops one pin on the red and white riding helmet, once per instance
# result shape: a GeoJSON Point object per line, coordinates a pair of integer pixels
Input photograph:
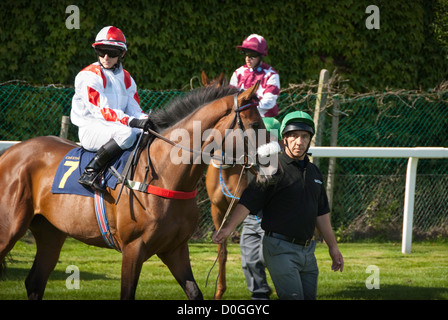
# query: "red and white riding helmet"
{"type": "Point", "coordinates": [255, 43]}
{"type": "Point", "coordinates": [110, 36]}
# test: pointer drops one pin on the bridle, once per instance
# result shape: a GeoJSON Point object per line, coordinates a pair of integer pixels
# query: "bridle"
{"type": "Point", "coordinates": [237, 121]}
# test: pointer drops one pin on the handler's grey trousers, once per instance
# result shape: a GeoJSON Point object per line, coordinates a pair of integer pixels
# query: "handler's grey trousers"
{"type": "Point", "coordinates": [293, 268]}
{"type": "Point", "coordinates": [252, 260]}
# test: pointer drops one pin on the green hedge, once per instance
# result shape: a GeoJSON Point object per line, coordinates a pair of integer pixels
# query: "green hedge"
{"type": "Point", "coordinates": [172, 41]}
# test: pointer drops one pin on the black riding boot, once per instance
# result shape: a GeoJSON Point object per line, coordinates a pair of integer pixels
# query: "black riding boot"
{"type": "Point", "coordinates": [104, 155]}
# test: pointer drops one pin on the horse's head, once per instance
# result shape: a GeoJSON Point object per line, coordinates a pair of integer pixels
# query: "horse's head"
{"type": "Point", "coordinates": [246, 140]}
{"type": "Point", "coordinates": [213, 120]}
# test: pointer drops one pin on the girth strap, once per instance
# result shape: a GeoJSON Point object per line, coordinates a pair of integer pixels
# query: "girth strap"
{"type": "Point", "coordinates": [161, 192]}
{"type": "Point", "coordinates": [158, 191]}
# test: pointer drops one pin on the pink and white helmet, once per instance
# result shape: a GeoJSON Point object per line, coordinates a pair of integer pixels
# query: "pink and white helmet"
{"type": "Point", "coordinates": [255, 43]}
{"type": "Point", "coordinates": [110, 36]}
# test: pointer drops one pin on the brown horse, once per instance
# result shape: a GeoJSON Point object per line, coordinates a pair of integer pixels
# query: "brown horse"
{"type": "Point", "coordinates": [141, 224]}
{"type": "Point", "coordinates": [220, 201]}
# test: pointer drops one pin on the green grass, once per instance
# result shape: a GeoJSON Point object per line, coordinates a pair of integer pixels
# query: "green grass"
{"type": "Point", "coordinates": [423, 274]}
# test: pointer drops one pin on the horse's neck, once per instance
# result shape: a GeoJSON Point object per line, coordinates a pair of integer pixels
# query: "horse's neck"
{"type": "Point", "coordinates": [180, 169]}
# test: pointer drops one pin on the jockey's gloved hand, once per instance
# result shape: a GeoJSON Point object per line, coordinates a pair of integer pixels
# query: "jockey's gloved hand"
{"type": "Point", "coordinates": [141, 124]}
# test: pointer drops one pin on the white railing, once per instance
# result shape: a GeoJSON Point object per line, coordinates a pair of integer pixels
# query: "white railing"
{"type": "Point", "coordinates": [413, 154]}
{"type": "Point", "coordinates": [7, 144]}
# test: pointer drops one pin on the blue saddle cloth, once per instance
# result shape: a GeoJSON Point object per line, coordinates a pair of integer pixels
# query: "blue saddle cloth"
{"type": "Point", "coordinates": [72, 166]}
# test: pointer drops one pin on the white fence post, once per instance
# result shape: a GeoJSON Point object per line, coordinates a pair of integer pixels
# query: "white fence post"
{"type": "Point", "coordinates": [65, 125]}
{"type": "Point", "coordinates": [333, 143]}
{"type": "Point", "coordinates": [408, 212]}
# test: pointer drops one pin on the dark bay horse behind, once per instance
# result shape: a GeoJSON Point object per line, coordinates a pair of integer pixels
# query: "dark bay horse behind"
{"type": "Point", "coordinates": [141, 224]}
{"type": "Point", "coordinates": [221, 176]}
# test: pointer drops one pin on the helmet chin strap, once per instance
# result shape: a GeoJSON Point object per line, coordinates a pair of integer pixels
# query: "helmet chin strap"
{"type": "Point", "coordinates": [114, 67]}
{"type": "Point", "coordinates": [258, 64]}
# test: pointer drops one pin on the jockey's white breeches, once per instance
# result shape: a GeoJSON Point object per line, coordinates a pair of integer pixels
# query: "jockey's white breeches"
{"type": "Point", "coordinates": [96, 134]}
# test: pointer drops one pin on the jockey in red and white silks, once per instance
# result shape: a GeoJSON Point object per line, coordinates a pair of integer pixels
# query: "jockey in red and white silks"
{"type": "Point", "coordinates": [255, 47]}
{"type": "Point", "coordinates": [106, 98]}
{"type": "Point", "coordinates": [106, 106]}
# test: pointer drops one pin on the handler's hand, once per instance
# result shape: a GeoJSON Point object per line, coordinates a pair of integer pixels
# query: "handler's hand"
{"type": "Point", "coordinates": [221, 236]}
{"type": "Point", "coordinates": [338, 260]}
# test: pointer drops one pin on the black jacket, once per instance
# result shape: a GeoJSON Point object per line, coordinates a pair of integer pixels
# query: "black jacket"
{"type": "Point", "coordinates": [291, 206]}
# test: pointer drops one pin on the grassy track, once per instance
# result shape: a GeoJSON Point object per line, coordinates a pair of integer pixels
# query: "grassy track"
{"type": "Point", "coordinates": [420, 275]}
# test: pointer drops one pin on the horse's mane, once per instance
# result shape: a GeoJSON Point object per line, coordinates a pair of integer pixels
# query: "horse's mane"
{"type": "Point", "coordinates": [180, 107]}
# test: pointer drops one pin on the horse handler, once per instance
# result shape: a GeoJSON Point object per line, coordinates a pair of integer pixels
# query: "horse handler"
{"type": "Point", "coordinates": [292, 208]}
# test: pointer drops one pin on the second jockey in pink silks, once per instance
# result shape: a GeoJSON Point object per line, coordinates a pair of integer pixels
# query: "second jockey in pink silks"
{"type": "Point", "coordinates": [255, 48]}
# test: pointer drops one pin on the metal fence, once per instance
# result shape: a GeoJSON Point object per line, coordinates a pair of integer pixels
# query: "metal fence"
{"type": "Point", "coordinates": [369, 193]}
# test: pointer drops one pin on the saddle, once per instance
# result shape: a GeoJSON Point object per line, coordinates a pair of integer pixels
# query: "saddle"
{"type": "Point", "coordinates": [72, 166]}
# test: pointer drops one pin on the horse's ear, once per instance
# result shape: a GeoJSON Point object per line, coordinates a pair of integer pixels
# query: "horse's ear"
{"type": "Point", "coordinates": [204, 79]}
{"type": "Point", "coordinates": [248, 94]}
{"type": "Point", "coordinates": [221, 79]}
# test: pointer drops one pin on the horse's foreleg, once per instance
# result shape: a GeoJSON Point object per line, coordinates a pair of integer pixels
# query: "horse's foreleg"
{"type": "Point", "coordinates": [49, 241]}
{"type": "Point", "coordinates": [178, 261]}
{"type": "Point", "coordinates": [222, 258]}
{"type": "Point", "coordinates": [218, 216]}
{"type": "Point", "coordinates": [132, 260]}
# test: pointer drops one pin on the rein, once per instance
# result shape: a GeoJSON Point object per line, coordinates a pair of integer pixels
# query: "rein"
{"type": "Point", "coordinates": [229, 208]}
